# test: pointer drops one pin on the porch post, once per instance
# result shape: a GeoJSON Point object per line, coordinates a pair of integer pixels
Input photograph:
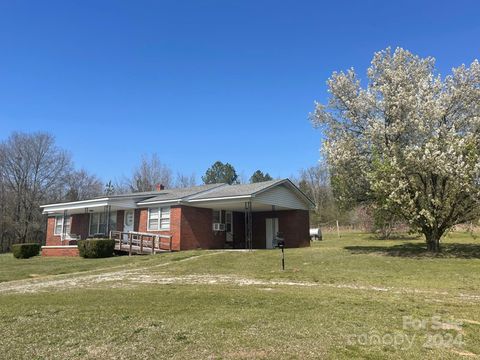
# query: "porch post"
{"type": "Point", "coordinates": [88, 226]}
{"type": "Point", "coordinates": [108, 221]}
{"type": "Point", "coordinates": [248, 225]}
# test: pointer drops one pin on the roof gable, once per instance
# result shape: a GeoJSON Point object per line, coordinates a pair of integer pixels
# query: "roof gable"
{"type": "Point", "coordinates": [284, 191]}
{"type": "Point", "coordinates": [282, 195]}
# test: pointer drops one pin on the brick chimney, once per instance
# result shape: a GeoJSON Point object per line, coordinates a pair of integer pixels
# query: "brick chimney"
{"type": "Point", "coordinates": [159, 187]}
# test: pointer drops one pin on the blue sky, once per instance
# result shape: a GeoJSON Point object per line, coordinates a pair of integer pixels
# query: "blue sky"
{"type": "Point", "coordinates": [200, 81]}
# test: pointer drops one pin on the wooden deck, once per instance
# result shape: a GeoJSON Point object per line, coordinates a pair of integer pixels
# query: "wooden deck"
{"type": "Point", "coordinates": [136, 243]}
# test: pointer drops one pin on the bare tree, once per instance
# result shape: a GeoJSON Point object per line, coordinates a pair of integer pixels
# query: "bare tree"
{"type": "Point", "coordinates": [149, 173]}
{"type": "Point", "coordinates": [315, 183]}
{"type": "Point", "coordinates": [184, 181]}
{"type": "Point", "coordinates": [33, 170]}
{"type": "Point", "coordinates": [81, 185]}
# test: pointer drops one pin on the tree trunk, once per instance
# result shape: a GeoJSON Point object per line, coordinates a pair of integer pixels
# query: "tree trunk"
{"type": "Point", "coordinates": [433, 240]}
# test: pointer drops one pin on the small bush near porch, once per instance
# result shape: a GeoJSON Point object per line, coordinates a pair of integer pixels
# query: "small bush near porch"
{"type": "Point", "coordinates": [25, 251]}
{"type": "Point", "coordinates": [96, 248]}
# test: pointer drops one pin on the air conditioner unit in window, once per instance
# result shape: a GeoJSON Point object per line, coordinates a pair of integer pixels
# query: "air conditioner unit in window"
{"type": "Point", "coordinates": [218, 227]}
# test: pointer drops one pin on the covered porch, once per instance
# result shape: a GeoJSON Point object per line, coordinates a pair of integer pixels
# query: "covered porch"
{"type": "Point", "coordinates": [255, 224]}
{"type": "Point", "coordinates": [89, 219]}
{"type": "Point", "coordinates": [69, 222]}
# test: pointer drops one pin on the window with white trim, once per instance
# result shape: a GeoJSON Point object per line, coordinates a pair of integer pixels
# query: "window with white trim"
{"type": "Point", "coordinates": [98, 223]}
{"type": "Point", "coordinates": [59, 219]}
{"type": "Point", "coordinates": [217, 216]}
{"type": "Point", "coordinates": [158, 218]}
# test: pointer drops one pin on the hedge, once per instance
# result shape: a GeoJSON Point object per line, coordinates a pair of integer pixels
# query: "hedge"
{"type": "Point", "coordinates": [96, 248]}
{"type": "Point", "coordinates": [25, 251]}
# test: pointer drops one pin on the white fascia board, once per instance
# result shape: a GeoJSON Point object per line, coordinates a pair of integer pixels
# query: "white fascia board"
{"type": "Point", "coordinates": [75, 202]}
{"type": "Point", "coordinates": [92, 203]}
{"type": "Point", "coordinates": [220, 198]}
{"type": "Point", "coordinates": [56, 208]}
{"type": "Point", "coordinates": [163, 202]}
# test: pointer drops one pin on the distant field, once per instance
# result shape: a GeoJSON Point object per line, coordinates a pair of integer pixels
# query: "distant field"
{"type": "Point", "coordinates": [353, 297]}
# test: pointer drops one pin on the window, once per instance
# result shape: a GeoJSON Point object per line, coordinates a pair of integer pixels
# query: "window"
{"type": "Point", "coordinates": [217, 216]}
{"type": "Point", "coordinates": [94, 221]}
{"type": "Point", "coordinates": [159, 218]}
{"type": "Point", "coordinates": [59, 230]}
{"type": "Point", "coordinates": [113, 220]}
{"type": "Point", "coordinates": [68, 224]}
{"type": "Point", "coordinates": [98, 223]}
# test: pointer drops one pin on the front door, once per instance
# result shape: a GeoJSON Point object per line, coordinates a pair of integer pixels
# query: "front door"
{"type": "Point", "coordinates": [271, 232]}
{"type": "Point", "coordinates": [128, 221]}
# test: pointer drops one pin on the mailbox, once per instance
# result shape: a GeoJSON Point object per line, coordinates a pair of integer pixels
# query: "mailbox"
{"type": "Point", "coordinates": [280, 240]}
{"type": "Point", "coordinates": [281, 245]}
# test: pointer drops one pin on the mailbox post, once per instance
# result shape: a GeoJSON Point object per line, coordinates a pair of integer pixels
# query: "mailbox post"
{"type": "Point", "coordinates": [281, 245]}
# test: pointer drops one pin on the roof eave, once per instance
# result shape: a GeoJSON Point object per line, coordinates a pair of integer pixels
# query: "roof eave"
{"type": "Point", "coordinates": [173, 201]}
{"type": "Point", "coordinates": [75, 202]}
{"type": "Point", "coordinates": [220, 198]}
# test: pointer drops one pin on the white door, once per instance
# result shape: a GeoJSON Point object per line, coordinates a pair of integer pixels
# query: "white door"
{"type": "Point", "coordinates": [271, 232]}
{"type": "Point", "coordinates": [128, 222]}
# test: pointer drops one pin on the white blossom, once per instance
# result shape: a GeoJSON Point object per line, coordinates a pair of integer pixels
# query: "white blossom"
{"type": "Point", "coordinates": [409, 141]}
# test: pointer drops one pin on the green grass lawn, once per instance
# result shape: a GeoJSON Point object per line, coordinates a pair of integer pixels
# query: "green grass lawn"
{"type": "Point", "coordinates": [353, 297]}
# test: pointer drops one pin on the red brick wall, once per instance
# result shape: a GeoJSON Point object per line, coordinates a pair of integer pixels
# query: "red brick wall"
{"type": "Point", "coordinates": [175, 228]}
{"type": "Point", "coordinates": [51, 239]}
{"type": "Point", "coordinates": [60, 252]}
{"type": "Point", "coordinates": [294, 224]}
{"type": "Point", "coordinates": [80, 224]}
{"type": "Point", "coordinates": [190, 227]}
{"type": "Point", "coordinates": [196, 224]}
{"type": "Point", "coordinates": [141, 223]}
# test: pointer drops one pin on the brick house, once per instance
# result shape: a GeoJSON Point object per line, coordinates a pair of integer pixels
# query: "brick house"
{"type": "Point", "coordinates": [214, 216]}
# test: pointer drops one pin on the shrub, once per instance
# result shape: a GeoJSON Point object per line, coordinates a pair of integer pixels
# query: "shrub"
{"type": "Point", "coordinates": [25, 251]}
{"type": "Point", "coordinates": [96, 248]}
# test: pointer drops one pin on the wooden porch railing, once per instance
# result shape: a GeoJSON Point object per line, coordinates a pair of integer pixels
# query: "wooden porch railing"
{"type": "Point", "coordinates": [142, 243]}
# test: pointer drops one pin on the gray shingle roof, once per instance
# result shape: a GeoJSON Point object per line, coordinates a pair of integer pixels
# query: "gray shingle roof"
{"type": "Point", "coordinates": [236, 190]}
{"type": "Point", "coordinates": [197, 193]}
{"type": "Point", "coordinates": [179, 193]}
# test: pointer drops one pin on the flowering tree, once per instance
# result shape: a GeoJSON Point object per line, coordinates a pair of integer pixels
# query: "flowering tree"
{"type": "Point", "coordinates": [408, 142]}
